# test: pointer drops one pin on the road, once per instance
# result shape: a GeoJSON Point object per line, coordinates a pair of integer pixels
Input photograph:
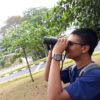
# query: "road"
{"type": "Point", "coordinates": [33, 68]}
{"type": "Point", "coordinates": [23, 71]}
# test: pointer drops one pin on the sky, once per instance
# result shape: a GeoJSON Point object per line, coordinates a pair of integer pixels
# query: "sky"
{"type": "Point", "coordinates": [10, 8]}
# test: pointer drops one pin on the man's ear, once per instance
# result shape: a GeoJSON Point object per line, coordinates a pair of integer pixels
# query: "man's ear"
{"type": "Point", "coordinates": [85, 48]}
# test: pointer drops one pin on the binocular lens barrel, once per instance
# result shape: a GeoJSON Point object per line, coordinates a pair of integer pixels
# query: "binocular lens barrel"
{"type": "Point", "coordinates": [50, 40]}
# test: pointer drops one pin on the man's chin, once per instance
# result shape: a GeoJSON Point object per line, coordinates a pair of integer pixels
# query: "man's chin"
{"type": "Point", "coordinates": [69, 56]}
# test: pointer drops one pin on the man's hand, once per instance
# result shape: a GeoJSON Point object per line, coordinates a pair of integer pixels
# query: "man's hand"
{"type": "Point", "coordinates": [60, 46]}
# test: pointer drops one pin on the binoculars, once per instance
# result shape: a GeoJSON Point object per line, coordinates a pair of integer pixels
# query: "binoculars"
{"type": "Point", "coordinates": [50, 41]}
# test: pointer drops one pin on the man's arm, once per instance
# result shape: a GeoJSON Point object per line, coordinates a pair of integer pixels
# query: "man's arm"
{"type": "Point", "coordinates": [55, 88]}
{"type": "Point", "coordinates": [47, 68]}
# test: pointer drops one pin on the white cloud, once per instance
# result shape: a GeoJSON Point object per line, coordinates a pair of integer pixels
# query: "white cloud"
{"type": "Point", "coordinates": [16, 7]}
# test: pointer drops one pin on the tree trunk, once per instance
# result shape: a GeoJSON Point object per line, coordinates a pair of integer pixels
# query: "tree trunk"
{"type": "Point", "coordinates": [28, 64]}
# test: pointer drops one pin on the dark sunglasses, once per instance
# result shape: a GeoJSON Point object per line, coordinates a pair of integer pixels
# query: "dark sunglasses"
{"type": "Point", "coordinates": [70, 43]}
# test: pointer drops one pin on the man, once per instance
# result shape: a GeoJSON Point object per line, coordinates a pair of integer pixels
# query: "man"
{"type": "Point", "coordinates": [82, 43]}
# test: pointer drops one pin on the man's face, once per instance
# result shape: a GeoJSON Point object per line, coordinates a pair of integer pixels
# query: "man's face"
{"type": "Point", "coordinates": [75, 48]}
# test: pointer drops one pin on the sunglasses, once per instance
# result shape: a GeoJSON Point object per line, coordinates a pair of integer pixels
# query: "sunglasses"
{"type": "Point", "coordinates": [70, 43]}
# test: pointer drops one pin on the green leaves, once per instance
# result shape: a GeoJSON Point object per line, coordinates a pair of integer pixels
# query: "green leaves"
{"type": "Point", "coordinates": [79, 13]}
{"type": "Point", "coordinates": [40, 22]}
{"type": "Point", "coordinates": [29, 34]}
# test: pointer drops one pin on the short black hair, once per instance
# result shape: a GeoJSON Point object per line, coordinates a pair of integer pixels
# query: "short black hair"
{"type": "Point", "coordinates": [87, 36]}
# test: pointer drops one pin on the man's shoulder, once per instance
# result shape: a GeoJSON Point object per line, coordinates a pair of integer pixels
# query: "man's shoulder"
{"type": "Point", "coordinates": [90, 69]}
{"type": "Point", "coordinates": [95, 71]}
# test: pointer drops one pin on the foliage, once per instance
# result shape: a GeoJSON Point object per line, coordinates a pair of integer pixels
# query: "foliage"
{"type": "Point", "coordinates": [35, 15]}
{"type": "Point", "coordinates": [87, 14]}
{"type": "Point", "coordinates": [7, 64]}
{"type": "Point", "coordinates": [40, 22]}
{"type": "Point", "coordinates": [27, 35]}
{"type": "Point", "coordinates": [60, 17]}
{"type": "Point", "coordinates": [20, 60]}
{"type": "Point", "coordinates": [13, 59]}
{"type": "Point", "coordinates": [79, 13]}
{"type": "Point", "coordinates": [13, 21]}
{"type": "Point", "coordinates": [2, 62]}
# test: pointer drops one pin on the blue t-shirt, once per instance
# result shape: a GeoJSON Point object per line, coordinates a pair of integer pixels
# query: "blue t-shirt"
{"type": "Point", "coordinates": [86, 87]}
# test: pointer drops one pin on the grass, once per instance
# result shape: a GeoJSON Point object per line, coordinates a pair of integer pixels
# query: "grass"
{"type": "Point", "coordinates": [24, 89]}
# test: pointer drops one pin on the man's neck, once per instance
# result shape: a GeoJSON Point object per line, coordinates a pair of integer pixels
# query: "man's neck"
{"type": "Point", "coordinates": [83, 61]}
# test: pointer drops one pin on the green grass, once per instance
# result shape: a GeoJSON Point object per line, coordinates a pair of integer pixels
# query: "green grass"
{"type": "Point", "coordinates": [24, 89]}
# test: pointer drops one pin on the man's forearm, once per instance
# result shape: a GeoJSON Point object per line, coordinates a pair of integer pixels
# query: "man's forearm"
{"type": "Point", "coordinates": [54, 83]}
{"type": "Point", "coordinates": [47, 68]}
{"type": "Point", "coordinates": [55, 89]}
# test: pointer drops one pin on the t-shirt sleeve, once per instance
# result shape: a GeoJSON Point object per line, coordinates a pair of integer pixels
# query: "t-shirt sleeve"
{"type": "Point", "coordinates": [64, 75]}
{"type": "Point", "coordinates": [86, 87]}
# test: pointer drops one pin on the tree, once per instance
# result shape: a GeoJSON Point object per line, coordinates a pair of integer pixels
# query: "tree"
{"type": "Point", "coordinates": [79, 13]}
{"type": "Point", "coordinates": [35, 15]}
{"type": "Point", "coordinates": [19, 38]}
{"type": "Point", "coordinates": [24, 40]}
{"type": "Point", "coordinates": [13, 21]}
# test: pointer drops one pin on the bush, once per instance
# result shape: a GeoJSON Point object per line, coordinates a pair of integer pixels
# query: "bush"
{"type": "Point", "coordinates": [13, 59]}
{"type": "Point", "coordinates": [20, 60]}
{"type": "Point", "coordinates": [2, 63]}
{"type": "Point", "coordinates": [7, 64]}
